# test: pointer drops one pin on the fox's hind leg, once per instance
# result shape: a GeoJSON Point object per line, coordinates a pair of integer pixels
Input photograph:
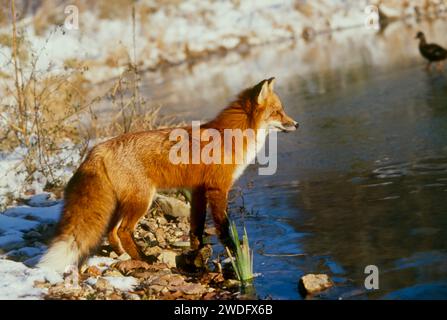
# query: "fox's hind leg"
{"type": "Point", "coordinates": [131, 211]}
{"type": "Point", "coordinates": [113, 238]}
{"type": "Point", "coordinates": [198, 215]}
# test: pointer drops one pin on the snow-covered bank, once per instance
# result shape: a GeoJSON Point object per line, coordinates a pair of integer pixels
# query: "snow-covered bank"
{"type": "Point", "coordinates": [105, 275]}
{"type": "Point", "coordinates": [19, 231]}
{"type": "Point", "coordinates": [17, 280]}
{"type": "Point", "coordinates": [15, 182]}
{"type": "Point", "coordinates": [175, 31]}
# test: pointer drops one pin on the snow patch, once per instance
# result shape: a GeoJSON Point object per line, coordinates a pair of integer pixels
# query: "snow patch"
{"type": "Point", "coordinates": [42, 214]}
{"type": "Point", "coordinates": [8, 224]}
{"type": "Point", "coordinates": [120, 283]}
{"type": "Point", "coordinates": [17, 281]}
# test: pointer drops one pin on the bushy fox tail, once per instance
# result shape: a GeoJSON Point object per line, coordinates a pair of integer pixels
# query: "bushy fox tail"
{"type": "Point", "coordinates": [89, 204]}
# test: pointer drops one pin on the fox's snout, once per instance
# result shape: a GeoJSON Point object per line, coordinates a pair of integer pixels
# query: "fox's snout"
{"type": "Point", "coordinates": [290, 126]}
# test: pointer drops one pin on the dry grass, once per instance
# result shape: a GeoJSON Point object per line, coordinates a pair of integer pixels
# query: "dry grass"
{"type": "Point", "coordinates": [52, 115]}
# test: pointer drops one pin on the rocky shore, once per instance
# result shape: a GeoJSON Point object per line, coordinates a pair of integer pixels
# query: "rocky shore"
{"type": "Point", "coordinates": [171, 270]}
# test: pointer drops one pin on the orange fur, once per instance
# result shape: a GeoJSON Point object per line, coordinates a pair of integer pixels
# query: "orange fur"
{"type": "Point", "coordinates": [115, 184]}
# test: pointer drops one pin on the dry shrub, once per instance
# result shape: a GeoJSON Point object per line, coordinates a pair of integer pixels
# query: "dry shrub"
{"type": "Point", "coordinates": [52, 116]}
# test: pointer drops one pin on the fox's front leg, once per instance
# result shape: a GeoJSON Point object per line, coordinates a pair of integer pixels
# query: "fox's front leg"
{"type": "Point", "coordinates": [198, 215]}
{"type": "Point", "coordinates": [217, 199]}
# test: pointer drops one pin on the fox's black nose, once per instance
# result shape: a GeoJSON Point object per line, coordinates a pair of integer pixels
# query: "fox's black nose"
{"type": "Point", "coordinates": [296, 124]}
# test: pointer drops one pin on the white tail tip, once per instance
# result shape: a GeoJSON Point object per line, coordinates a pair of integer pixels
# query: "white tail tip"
{"type": "Point", "coordinates": [61, 256]}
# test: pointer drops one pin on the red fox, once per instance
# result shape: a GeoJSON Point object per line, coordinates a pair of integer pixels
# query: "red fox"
{"type": "Point", "coordinates": [115, 185]}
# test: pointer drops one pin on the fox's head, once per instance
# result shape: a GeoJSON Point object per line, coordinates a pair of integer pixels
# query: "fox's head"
{"type": "Point", "coordinates": [268, 109]}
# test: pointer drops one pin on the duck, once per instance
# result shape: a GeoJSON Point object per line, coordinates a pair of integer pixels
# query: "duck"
{"type": "Point", "coordinates": [431, 51]}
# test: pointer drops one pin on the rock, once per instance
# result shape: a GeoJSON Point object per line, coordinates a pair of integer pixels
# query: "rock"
{"type": "Point", "coordinates": [131, 296]}
{"type": "Point", "coordinates": [212, 277]}
{"type": "Point", "coordinates": [172, 296]}
{"type": "Point", "coordinates": [124, 257]}
{"type": "Point", "coordinates": [173, 207]}
{"type": "Point", "coordinates": [128, 266]}
{"type": "Point", "coordinates": [112, 273]}
{"type": "Point", "coordinates": [145, 225]}
{"type": "Point", "coordinates": [184, 226]}
{"type": "Point", "coordinates": [231, 283]}
{"type": "Point", "coordinates": [192, 288]}
{"type": "Point", "coordinates": [115, 296]}
{"type": "Point", "coordinates": [33, 234]}
{"type": "Point", "coordinates": [168, 257]}
{"type": "Point", "coordinates": [83, 268]}
{"type": "Point", "coordinates": [152, 225]}
{"type": "Point", "coordinates": [211, 231]}
{"type": "Point", "coordinates": [161, 221]}
{"type": "Point", "coordinates": [202, 257]}
{"type": "Point", "coordinates": [62, 291]}
{"type": "Point", "coordinates": [41, 284]}
{"type": "Point", "coordinates": [29, 192]}
{"type": "Point", "coordinates": [103, 285]}
{"type": "Point", "coordinates": [209, 296]}
{"type": "Point", "coordinates": [160, 236]}
{"type": "Point", "coordinates": [93, 271]}
{"type": "Point", "coordinates": [313, 283]}
{"type": "Point", "coordinates": [156, 288]}
{"type": "Point", "coordinates": [39, 244]}
{"type": "Point", "coordinates": [142, 274]}
{"type": "Point", "coordinates": [170, 281]}
{"type": "Point", "coordinates": [178, 233]}
{"type": "Point", "coordinates": [161, 280]}
{"type": "Point", "coordinates": [156, 270]}
{"type": "Point", "coordinates": [152, 251]}
{"type": "Point", "coordinates": [175, 280]}
{"type": "Point", "coordinates": [181, 244]}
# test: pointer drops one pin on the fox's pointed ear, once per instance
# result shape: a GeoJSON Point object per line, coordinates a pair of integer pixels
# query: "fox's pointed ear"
{"type": "Point", "coordinates": [271, 83]}
{"type": "Point", "coordinates": [263, 93]}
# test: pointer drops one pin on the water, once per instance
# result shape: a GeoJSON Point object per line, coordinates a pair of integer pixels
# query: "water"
{"type": "Point", "coordinates": [364, 179]}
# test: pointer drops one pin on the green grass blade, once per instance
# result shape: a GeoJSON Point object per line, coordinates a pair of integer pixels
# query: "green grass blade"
{"type": "Point", "coordinates": [242, 261]}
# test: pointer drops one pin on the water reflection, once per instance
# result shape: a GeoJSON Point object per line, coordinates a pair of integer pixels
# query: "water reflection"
{"type": "Point", "coordinates": [364, 180]}
{"type": "Point", "coordinates": [369, 175]}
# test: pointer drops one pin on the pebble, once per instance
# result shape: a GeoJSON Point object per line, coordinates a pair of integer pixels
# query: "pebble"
{"type": "Point", "coordinates": [160, 236]}
{"type": "Point", "coordinates": [93, 271]}
{"type": "Point", "coordinates": [131, 296]}
{"type": "Point", "coordinates": [33, 234]}
{"type": "Point", "coordinates": [173, 207]}
{"type": "Point", "coordinates": [192, 288]}
{"type": "Point", "coordinates": [168, 257]}
{"type": "Point", "coordinates": [103, 285]}
{"type": "Point", "coordinates": [152, 251]}
{"type": "Point", "coordinates": [313, 283]}
{"type": "Point", "coordinates": [181, 244]}
{"type": "Point", "coordinates": [162, 221]}
{"type": "Point", "coordinates": [124, 257]}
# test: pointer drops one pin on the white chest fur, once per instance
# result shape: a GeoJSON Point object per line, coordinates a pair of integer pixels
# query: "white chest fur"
{"type": "Point", "coordinates": [252, 150]}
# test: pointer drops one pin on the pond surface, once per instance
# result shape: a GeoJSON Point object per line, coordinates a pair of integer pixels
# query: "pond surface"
{"type": "Point", "coordinates": [364, 179]}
